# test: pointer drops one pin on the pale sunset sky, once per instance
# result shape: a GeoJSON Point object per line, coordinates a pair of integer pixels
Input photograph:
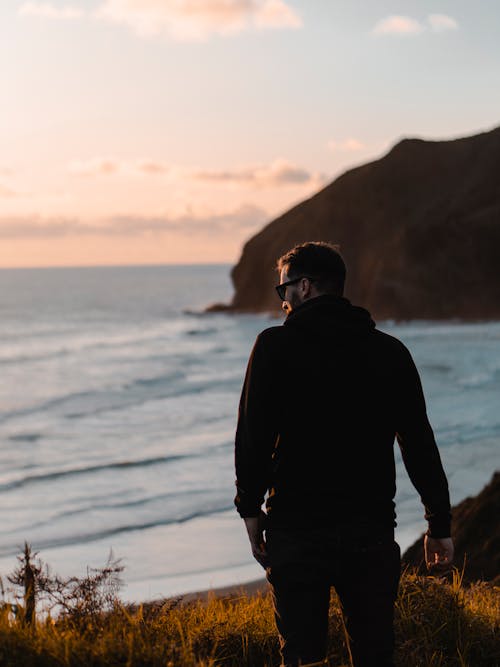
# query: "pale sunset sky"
{"type": "Point", "coordinates": [169, 131]}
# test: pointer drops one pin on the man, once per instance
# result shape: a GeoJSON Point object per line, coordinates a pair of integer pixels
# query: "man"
{"type": "Point", "coordinates": [324, 397]}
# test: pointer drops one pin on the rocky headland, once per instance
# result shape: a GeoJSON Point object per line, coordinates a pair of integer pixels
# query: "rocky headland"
{"type": "Point", "coordinates": [419, 229]}
{"type": "Point", "coordinates": [476, 536]}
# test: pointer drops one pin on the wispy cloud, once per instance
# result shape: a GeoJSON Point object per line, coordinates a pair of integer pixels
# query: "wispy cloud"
{"type": "Point", "coordinates": [350, 145]}
{"type": "Point", "coordinates": [95, 166]}
{"type": "Point", "coordinates": [6, 192]}
{"type": "Point", "coordinates": [193, 20]}
{"type": "Point", "coordinates": [407, 25]}
{"type": "Point", "coordinates": [245, 217]}
{"type": "Point", "coordinates": [49, 11]}
{"type": "Point", "coordinates": [398, 25]}
{"type": "Point", "coordinates": [442, 22]}
{"type": "Point", "coordinates": [182, 20]}
{"type": "Point", "coordinates": [279, 173]}
{"type": "Point", "coordinates": [152, 167]}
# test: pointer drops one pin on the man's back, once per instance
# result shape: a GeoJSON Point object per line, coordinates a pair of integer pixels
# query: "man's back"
{"type": "Point", "coordinates": [328, 393]}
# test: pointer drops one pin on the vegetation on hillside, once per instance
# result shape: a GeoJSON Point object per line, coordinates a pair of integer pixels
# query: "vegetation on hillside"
{"type": "Point", "coordinates": [438, 623]}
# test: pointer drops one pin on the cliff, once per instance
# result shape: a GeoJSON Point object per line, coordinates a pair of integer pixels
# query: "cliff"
{"type": "Point", "coordinates": [476, 535]}
{"type": "Point", "coordinates": [419, 230]}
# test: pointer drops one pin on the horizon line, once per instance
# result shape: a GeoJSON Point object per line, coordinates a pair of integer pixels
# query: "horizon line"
{"type": "Point", "coordinates": [114, 266]}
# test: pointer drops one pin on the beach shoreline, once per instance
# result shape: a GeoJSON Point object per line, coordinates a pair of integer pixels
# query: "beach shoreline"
{"type": "Point", "coordinates": [234, 591]}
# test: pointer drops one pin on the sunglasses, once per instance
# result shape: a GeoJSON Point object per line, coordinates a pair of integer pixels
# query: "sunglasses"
{"type": "Point", "coordinates": [281, 289]}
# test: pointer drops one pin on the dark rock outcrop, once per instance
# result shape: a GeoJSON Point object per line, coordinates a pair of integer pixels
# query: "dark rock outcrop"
{"type": "Point", "coordinates": [476, 536]}
{"type": "Point", "coordinates": [419, 230]}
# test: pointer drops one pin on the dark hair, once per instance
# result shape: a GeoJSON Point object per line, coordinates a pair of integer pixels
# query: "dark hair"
{"type": "Point", "coordinates": [319, 260]}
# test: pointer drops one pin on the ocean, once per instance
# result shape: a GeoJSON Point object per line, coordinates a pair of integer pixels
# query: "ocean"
{"type": "Point", "coordinates": [118, 406]}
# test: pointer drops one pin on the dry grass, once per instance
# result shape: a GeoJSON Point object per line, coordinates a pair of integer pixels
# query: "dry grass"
{"type": "Point", "coordinates": [438, 624]}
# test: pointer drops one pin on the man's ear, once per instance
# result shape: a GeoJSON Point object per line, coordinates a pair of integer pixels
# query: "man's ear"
{"type": "Point", "coordinates": [305, 285]}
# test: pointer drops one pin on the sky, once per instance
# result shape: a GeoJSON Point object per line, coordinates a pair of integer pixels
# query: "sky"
{"type": "Point", "coordinates": [170, 131]}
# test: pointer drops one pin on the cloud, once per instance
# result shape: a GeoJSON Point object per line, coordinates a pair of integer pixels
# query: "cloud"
{"type": "Point", "coordinates": [194, 20]}
{"type": "Point", "coordinates": [406, 25]}
{"type": "Point", "coordinates": [6, 192]}
{"type": "Point", "coordinates": [398, 25]}
{"type": "Point", "coordinates": [276, 14]}
{"type": "Point", "coordinates": [49, 11]}
{"type": "Point", "coordinates": [34, 227]}
{"type": "Point", "coordinates": [279, 173]}
{"type": "Point", "coordinates": [442, 22]}
{"type": "Point", "coordinates": [350, 145]}
{"type": "Point", "coordinates": [152, 167]}
{"type": "Point", "coordinates": [245, 217]}
{"type": "Point", "coordinates": [95, 166]}
{"type": "Point", "coordinates": [104, 166]}
{"type": "Point", "coordinates": [183, 20]}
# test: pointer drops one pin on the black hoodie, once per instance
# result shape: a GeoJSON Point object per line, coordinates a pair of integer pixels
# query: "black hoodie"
{"type": "Point", "coordinates": [324, 397]}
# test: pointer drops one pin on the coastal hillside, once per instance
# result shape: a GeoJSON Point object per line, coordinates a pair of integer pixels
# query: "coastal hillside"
{"type": "Point", "coordinates": [419, 230]}
{"type": "Point", "coordinates": [476, 535]}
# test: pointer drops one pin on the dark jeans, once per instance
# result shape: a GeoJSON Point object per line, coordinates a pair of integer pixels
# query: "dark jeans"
{"type": "Point", "coordinates": [363, 567]}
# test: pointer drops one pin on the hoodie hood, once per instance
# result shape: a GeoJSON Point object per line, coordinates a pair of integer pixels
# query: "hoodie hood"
{"type": "Point", "coordinates": [329, 315]}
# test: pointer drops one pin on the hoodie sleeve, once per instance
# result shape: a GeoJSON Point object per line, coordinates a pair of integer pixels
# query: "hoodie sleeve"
{"type": "Point", "coordinates": [256, 431]}
{"type": "Point", "coordinates": [419, 450]}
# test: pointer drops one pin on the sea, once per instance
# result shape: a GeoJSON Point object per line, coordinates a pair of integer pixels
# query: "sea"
{"type": "Point", "coordinates": [118, 403]}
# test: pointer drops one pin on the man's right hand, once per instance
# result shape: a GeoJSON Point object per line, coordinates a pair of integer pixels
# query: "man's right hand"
{"type": "Point", "coordinates": [438, 552]}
